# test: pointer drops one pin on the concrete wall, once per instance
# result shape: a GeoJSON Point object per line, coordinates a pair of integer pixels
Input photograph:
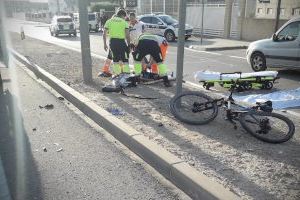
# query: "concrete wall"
{"type": "Point", "coordinates": [255, 29]}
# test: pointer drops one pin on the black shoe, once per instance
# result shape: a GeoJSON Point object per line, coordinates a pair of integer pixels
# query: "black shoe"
{"type": "Point", "coordinates": [104, 74]}
{"type": "Point", "coordinates": [167, 83]}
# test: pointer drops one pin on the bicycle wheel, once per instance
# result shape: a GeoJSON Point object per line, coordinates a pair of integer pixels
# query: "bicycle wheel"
{"type": "Point", "coordinates": [268, 127]}
{"type": "Point", "coordinates": [194, 108]}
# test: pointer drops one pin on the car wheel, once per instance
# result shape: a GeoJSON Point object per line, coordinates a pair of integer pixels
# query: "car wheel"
{"type": "Point", "coordinates": [187, 37]}
{"type": "Point", "coordinates": [97, 28]}
{"type": "Point", "coordinates": [51, 33]}
{"type": "Point", "coordinates": [56, 34]}
{"type": "Point", "coordinates": [90, 27]}
{"type": "Point", "coordinates": [170, 36]}
{"type": "Point", "coordinates": [75, 34]}
{"type": "Point", "coordinates": [258, 62]}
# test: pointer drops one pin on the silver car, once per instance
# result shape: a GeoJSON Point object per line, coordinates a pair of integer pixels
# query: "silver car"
{"type": "Point", "coordinates": [164, 25]}
{"type": "Point", "coordinates": [280, 51]}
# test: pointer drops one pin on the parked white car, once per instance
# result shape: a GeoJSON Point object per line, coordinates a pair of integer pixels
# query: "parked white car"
{"type": "Point", "coordinates": [62, 25]}
{"type": "Point", "coordinates": [93, 21]}
{"type": "Point", "coordinates": [164, 25]}
{"type": "Point", "coordinates": [280, 51]}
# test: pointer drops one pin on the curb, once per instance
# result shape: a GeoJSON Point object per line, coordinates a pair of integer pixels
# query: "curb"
{"type": "Point", "coordinates": [4, 189]}
{"type": "Point", "coordinates": [218, 48]}
{"type": "Point", "coordinates": [185, 177]}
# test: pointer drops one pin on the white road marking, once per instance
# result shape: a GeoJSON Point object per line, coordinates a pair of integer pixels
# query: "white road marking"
{"type": "Point", "coordinates": [238, 57]}
{"type": "Point", "coordinates": [208, 52]}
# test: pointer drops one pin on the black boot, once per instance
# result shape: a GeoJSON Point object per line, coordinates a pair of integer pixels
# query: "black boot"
{"type": "Point", "coordinates": [166, 82]}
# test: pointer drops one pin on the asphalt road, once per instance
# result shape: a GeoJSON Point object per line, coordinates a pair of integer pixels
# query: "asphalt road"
{"type": "Point", "coordinates": [194, 60]}
{"type": "Point", "coordinates": [54, 154]}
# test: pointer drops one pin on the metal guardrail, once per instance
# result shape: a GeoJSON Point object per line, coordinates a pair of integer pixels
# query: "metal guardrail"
{"type": "Point", "coordinates": [209, 32]}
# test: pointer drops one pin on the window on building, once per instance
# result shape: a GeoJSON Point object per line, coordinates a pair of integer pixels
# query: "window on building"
{"type": "Point", "coordinates": [269, 11]}
{"type": "Point", "coordinates": [296, 11]}
{"type": "Point", "coordinates": [259, 11]}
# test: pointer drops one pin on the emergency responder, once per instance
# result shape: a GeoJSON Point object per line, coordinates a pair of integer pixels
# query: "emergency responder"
{"type": "Point", "coordinates": [118, 31]}
{"type": "Point", "coordinates": [155, 46]}
{"type": "Point", "coordinates": [136, 28]}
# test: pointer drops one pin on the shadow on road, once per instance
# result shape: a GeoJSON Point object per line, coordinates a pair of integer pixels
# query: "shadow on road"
{"type": "Point", "coordinates": [18, 162]}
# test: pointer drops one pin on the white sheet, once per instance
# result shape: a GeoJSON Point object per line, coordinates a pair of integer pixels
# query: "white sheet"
{"type": "Point", "coordinates": [210, 75]}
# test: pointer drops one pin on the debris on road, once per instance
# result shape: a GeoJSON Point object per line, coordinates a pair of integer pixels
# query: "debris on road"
{"type": "Point", "coordinates": [61, 98]}
{"type": "Point", "coordinates": [160, 124]}
{"type": "Point", "coordinates": [115, 111]}
{"type": "Point", "coordinates": [47, 106]}
{"type": "Point", "coordinates": [59, 150]}
{"type": "Point", "coordinates": [34, 129]}
{"type": "Point", "coordinates": [44, 149]}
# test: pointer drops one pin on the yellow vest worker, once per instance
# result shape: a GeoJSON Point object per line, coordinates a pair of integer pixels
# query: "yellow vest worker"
{"type": "Point", "coordinates": [118, 31]}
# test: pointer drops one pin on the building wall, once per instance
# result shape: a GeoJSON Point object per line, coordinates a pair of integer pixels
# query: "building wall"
{"type": "Point", "coordinates": [255, 29]}
{"type": "Point", "coordinates": [289, 9]}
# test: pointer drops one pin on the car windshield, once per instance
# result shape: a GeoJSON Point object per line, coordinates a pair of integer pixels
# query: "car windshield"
{"type": "Point", "coordinates": [92, 17]}
{"type": "Point", "coordinates": [64, 20]}
{"type": "Point", "coordinates": [168, 20]}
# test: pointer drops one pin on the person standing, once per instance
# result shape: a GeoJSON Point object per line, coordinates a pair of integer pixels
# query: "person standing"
{"type": "Point", "coordinates": [118, 30]}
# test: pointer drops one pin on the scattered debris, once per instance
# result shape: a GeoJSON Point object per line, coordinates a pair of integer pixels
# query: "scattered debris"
{"type": "Point", "coordinates": [69, 83]}
{"type": "Point", "coordinates": [160, 124]}
{"type": "Point", "coordinates": [284, 111]}
{"type": "Point", "coordinates": [34, 129]}
{"type": "Point", "coordinates": [47, 106]}
{"type": "Point", "coordinates": [56, 144]}
{"type": "Point", "coordinates": [115, 111]}
{"type": "Point", "coordinates": [61, 98]}
{"type": "Point", "coordinates": [44, 149]}
{"type": "Point", "coordinates": [59, 150]}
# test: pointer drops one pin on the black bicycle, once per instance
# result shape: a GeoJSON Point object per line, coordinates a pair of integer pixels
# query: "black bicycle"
{"type": "Point", "coordinates": [260, 121]}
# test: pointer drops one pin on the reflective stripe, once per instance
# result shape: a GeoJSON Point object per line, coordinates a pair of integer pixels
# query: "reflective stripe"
{"type": "Point", "coordinates": [126, 68]}
{"type": "Point", "coordinates": [162, 69]}
{"type": "Point", "coordinates": [117, 69]}
{"type": "Point", "coordinates": [138, 68]}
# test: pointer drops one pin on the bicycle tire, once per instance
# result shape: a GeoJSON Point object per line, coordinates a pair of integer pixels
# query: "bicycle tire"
{"type": "Point", "coordinates": [259, 134]}
{"type": "Point", "coordinates": [194, 121]}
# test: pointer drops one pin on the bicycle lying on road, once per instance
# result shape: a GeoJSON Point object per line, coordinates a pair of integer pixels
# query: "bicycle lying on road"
{"type": "Point", "coordinates": [197, 108]}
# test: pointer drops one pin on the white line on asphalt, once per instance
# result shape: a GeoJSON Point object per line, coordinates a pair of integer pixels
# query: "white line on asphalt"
{"type": "Point", "coordinates": [238, 57]}
{"type": "Point", "coordinates": [208, 52]}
